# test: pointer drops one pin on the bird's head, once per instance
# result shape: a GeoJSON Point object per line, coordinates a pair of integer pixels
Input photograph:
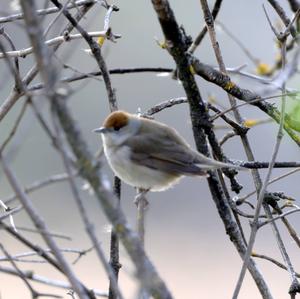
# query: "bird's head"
{"type": "Point", "coordinates": [118, 126]}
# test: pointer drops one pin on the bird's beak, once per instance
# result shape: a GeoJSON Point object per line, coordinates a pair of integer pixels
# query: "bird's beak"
{"type": "Point", "coordinates": [101, 130]}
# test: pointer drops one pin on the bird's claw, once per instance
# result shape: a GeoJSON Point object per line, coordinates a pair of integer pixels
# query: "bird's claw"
{"type": "Point", "coordinates": [140, 199]}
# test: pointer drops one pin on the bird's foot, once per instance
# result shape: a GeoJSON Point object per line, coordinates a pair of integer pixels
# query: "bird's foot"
{"type": "Point", "coordinates": [140, 199]}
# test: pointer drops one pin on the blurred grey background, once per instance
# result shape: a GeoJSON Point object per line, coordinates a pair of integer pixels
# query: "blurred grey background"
{"type": "Point", "coordinates": [185, 237]}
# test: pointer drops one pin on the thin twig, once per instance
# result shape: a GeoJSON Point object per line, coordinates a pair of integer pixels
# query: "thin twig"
{"type": "Point", "coordinates": [262, 256]}
{"type": "Point", "coordinates": [40, 224]}
{"type": "Point", "coordinates": [21, 257]}
{"type": "Point", "coordinates": [261, 224]}
{"type": "Point", "coordinates": [51, 24]}
{"type": "Point", "coordinates": [50, 10]}
{"type": "Point", "coordinates": [45, 280]}
{"type": "Point", "coordinates": [260, 203]}
{"type": "Point", "coordinates": [201, 35]}
{"type": "Point", "coordinates": [114, 254]}
{"type": "Point", "coordinates": [49, 76]}
{"type": "Point", "coordinates": [280, 11]}
{"type": "Point", "coordinates": [39, 250]}
{"type": "Point", "coordinates": [83, 212]}
{"type": "Point", "coordinates": [118, 71]}
{"type": "Point", "coordinates": [239, 43]}
{"type": "Point", "coordinates": [176, 42]}
{"type": "Point", "coordinates": [142, 207]}
{"type": "Point", "coordinates": [15, 95]}
{"type": "Point", "coordinates": [52, 42]}
{"type": "Point", "coordinates": [40, 184]}
{"type": "Point", "coordinates": [33, 292]}
{"type": "Point", "coordinates": [165, 104]}
{"type": "Point", "coordinates": [19, 86]}
{"type": "Point", "coordinates": [242, 199]}
{"type": "Point", "coordinates": [95, 48]}
{"type": "Point", "coordinates": [17, 67]}
{"type": "Point", "coordinates": [15, 127]}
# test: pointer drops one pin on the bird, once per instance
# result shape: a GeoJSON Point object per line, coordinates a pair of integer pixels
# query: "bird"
{"type": "Point", "coordinates": [151, 155]}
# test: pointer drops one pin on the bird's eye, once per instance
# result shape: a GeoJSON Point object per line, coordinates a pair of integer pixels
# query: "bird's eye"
{"type": "Point", "coordinates": [117, 128]}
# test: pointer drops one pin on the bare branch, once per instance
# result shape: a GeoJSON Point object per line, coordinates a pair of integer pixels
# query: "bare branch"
{"type": "Point", "coordinates": [45, 280]}
{"type": "Point", "coordinates": [51, 10]}
{"type": "Point", "coordinates": [53, 42]}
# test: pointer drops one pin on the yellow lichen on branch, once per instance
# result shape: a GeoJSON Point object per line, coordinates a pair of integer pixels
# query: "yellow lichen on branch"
{"type": "Point", "coordinates": [229, 85]}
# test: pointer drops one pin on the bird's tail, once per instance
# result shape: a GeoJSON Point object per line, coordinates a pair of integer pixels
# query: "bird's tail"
{"type": "Point", "coordinates": [210, 164]}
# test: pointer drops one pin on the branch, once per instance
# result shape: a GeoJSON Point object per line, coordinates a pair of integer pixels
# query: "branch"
{"type": "Point", "coordinates": [295, 287]}
{"type": "Point", "coordinates": [176, 44]}
{"type": "Point", "coordinates": [40, 184]}
{"type": "Point", "coordinates": [119, 71]}
{"type": "Point", "coordinates": [201, 35]}
{"type": "Point", "coordinates": [51, 10]}
{"type": "Point", "coordinates": [210, 74]}
{"type": "Point", "coordinates": [261, 165]}
{"type": "Point", "coordinates": [16, 94]}
{"type": "Point", "coordinates": [89, 227]}
{"type": "Point", "coordinates": [45, 280]}
{"type": "Point", "coordinates": [96, 51]}
{"type": "Point", "coordinates": [54, 42]}
{"type": "Point", "coordinates": [40, 224]}
{"type": "Point", "coordinates": [146, 271]}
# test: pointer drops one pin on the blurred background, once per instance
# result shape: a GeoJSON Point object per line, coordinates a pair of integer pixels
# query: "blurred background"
{"type": "Point", "coordinates": [185, 237]}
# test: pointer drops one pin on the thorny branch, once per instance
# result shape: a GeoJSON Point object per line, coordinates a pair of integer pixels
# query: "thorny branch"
{"type": "Point", "coordinates": [201, 127]}
{"type": "Point", "coordinates": [295, 287]}
{"type": "Point", "coordinates": [147, 274]}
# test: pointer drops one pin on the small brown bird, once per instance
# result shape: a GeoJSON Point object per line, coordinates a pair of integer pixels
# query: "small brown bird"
{"type": "Point", "coordinates": [150, 155]}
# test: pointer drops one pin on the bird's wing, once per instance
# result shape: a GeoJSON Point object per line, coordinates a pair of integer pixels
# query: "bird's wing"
{"type": "Point", "coordinates": [163, 152]}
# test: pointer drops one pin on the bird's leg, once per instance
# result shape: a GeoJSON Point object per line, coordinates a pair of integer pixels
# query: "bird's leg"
{"type": "Point", "coordinates": [140, 198]}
